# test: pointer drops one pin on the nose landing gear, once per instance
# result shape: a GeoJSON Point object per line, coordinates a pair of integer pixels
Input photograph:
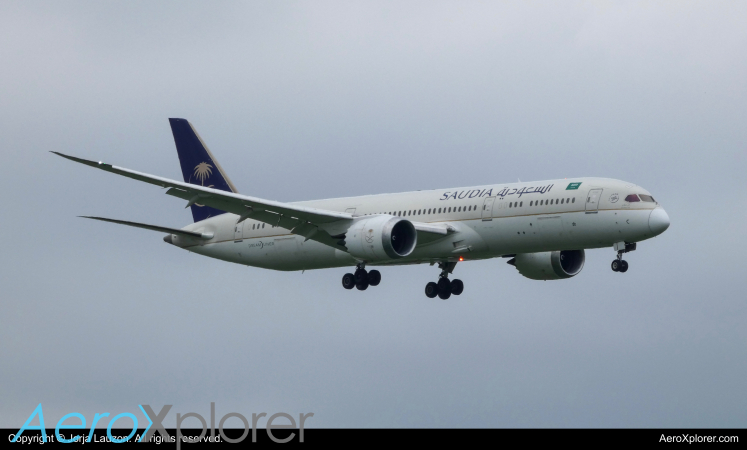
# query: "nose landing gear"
{"type": "Point", "coordinates": [620, 265]}
{"type": "Point", "coordinates": [445, 287]}
{"type": "Point", "coordinates": [361, 279]}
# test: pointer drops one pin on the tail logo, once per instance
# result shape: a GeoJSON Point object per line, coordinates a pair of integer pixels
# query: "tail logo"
{"type": "Point", "coordinates": [202, 171]}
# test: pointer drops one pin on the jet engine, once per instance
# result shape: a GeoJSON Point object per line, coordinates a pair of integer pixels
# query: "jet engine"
{"type": "Point", "coordinates": [380, 238]}
{"type": "Point", "coordinates": [549, 265]}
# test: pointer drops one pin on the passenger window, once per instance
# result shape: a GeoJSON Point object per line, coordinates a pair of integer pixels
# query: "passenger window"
{"type": "Point", "coordinates": [574, 200]}
{"type": "Point", "coordinates": [521, 204]}
{"type": "Point", "coordinates": [632, 198]}
{"type": "Point", "coordinates": [562, 200]}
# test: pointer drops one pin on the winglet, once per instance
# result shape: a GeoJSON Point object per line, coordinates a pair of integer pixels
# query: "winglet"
{"type": "Point", "coordinates": [87, 162]}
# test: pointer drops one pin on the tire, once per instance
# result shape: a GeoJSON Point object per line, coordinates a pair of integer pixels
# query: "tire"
{"type": "Point", "coordinates": [360, 276]}
{"type": "Point", "coordinates": [431, 290]}
{"type": "Point", "coordinates": [444, 295]}
{"type": "Point", "coordinates": [457, 287]}
{"type": "Point", "coordinates": [348, 281]}
{"type": "Point", "coordinates": [623, 266]}
{"type": "Point", "coordinates": [362, 286]}
{"type": "Point", "coordinates": [616, 265]}
{"type": "Point", "coordinates": [444, 285]}
{"type": "Point", "coordinates": [374, 278]}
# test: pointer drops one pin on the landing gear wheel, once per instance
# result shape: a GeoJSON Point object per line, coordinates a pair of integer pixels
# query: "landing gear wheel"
{"type": "Point", "coordinates": [616, 265]}
{"type": "Point", "coordinates": [444, 288]}
{"type": "Point", "coordinates": [444, 285]}
{"type": "Point", "coordinates": [361, 276]}
{"type": "Point", "coordinates": [348, 281]}
{"type": "Point", "coordinates": [374, 278]}
{"type": "Point", "coordinates": [623, 266]}
{"type": "Point", "coordinates": [457, 287]}
{"type": "Point", "coordinates": [362, 286]}
{"type": "Point", "coordinates": [431, 290]}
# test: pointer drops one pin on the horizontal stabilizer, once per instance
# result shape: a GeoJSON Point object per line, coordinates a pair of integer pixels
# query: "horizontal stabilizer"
{"type": "Point", "coordinates": [176, 231]}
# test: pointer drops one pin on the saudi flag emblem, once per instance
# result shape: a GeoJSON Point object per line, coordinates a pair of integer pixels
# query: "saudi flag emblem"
{"type": "Point", "coordinates": [573, 186]}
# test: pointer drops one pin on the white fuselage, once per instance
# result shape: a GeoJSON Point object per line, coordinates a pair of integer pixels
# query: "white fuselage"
{"type": "Point", "coordinates": [489, 221]}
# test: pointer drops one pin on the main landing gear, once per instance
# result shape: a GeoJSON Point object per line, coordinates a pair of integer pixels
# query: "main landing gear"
{"type": "Point", "coordinates": [445, 287]}
{"type": "Point", "coordinates": [619, 264]}
{"type": "Point", "coordinates": [361, 279]}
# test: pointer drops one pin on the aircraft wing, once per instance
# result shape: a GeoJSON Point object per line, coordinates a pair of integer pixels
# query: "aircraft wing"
{"type": "Point", "coordinates": [316, 224]}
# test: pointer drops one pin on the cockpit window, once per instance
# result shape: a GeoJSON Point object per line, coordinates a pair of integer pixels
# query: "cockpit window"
{"type": "Point", "coordinates": [647, 198]}
{"type": "Point", "coordinates": [632, 198]}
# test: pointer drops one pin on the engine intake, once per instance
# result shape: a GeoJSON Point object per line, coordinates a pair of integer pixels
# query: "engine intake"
{"type": "Point", "coordinates": [555, 265]}
{"type": "Point", "coordinates": [381, 238]}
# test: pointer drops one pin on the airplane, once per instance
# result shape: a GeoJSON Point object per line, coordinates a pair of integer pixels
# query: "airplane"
{"type": "Point", "coordinates": [542, 227]}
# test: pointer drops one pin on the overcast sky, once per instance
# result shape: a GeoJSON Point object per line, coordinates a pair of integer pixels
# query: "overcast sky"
{"type": "Point", "coordinates": [312, 100]}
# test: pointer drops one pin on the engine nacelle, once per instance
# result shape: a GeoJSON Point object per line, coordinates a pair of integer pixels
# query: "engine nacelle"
{"type": "Point", "coordinates": [381, 238]}
{"type": "Point", "coordinates": [549, 265]}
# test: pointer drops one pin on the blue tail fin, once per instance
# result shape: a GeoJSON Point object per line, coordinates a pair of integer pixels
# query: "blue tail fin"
{"type": "Point", "coordinates": [198, 165]}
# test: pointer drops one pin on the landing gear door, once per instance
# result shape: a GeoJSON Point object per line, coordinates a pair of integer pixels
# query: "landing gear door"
{"type": "Point", "coordinates": [487, 209]}
{"type": "Point", "coordinates": [592, 200]}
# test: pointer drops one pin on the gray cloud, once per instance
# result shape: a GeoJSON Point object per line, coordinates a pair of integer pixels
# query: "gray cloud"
{"type": "Point", "coordinates": [314, 100]}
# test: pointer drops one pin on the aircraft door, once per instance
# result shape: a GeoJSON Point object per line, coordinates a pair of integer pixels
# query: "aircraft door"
{"type": "Point", "coordinates": [592, 199]}
{"type": "Point", "coordinates": [487, 209]}
{"type": "Point", "coordinates": [238, 232]}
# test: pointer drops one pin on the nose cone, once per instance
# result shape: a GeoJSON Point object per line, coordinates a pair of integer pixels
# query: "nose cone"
{"type": "Point", "coordinates": [658, 221]}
